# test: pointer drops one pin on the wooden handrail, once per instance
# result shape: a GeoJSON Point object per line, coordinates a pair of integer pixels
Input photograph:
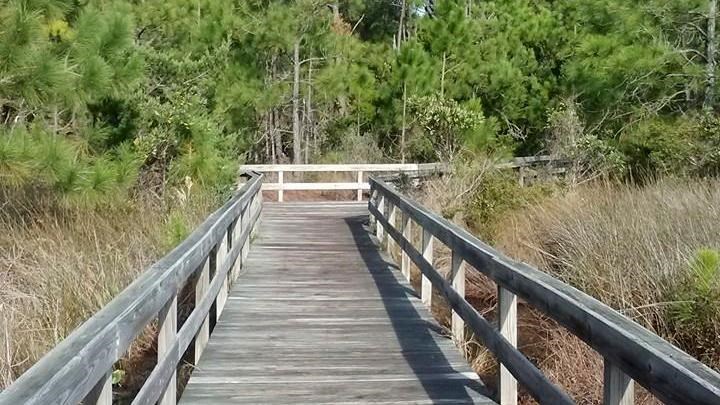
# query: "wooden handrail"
{"type": "Point", "coordinates": [360, 185]}
{"type": "Point", "coordinates": [79, 368]}
{"type": "Point", "coordinates": [631, 352]}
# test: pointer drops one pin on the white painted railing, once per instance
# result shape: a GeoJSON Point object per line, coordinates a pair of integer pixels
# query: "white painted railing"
{"type": "Point", "coordinates": [360, 185]}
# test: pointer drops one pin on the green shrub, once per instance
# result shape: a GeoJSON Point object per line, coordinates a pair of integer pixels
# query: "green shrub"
{"type": "Point", "coordinates": [695, 312]}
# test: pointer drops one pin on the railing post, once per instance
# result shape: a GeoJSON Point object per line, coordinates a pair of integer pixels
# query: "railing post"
{"type": "Point", "coordinates": [280, 186]}
{"type": "Point", "coordinates": [379, 231]}
{"type": "Point", "coordinates": [393, 223]}
{"type": "Point", "coordinates": [618, 388]}
{"type": "Point", "coordinates": [101, 394]}
{"type": "Point", "coordinates": [234, 236]}
{"type": "Point", "coordinates": [507, 323]}
{"type": "Point", "coordinates": [426, 289]}
{"type": "Point", "coordinates": [166, 337]}
{"type": "Point", "coordinates": [360, 183]}
{"type": "Point", "coordinates": [201, 288]}
{"type": "Point", "coordinates": [407, 234]}
{"type": "Point", "coordinates": [372, 198]}
{"type": "Point", "coordinates": [221, 254]}
{"type": "Point", "coordinates": [457, 276]}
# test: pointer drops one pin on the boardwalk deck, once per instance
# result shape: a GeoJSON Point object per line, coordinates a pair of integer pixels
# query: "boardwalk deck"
{"type": "Point", "coordinates": [319, 316]}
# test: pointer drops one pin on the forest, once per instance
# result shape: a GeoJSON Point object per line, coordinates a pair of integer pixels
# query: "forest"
{"type": "Point", "coordinates": [123, 122]}
{"type": "Point", "coordinates": [100, 96]}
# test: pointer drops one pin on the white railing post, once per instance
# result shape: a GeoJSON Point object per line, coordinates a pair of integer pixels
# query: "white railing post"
{"type": "Point", "coordinates": [618, 388]}
{"type": "Point", "coordinates": [166, 337]}
{"type": "Point", "coordinates": [280, 186]}
{"type": "Point", "coordinates": [457, 276]}
{"type": "Point", "coordinates": [393, 223]}
{"type": "Point", "coordinates": [201, 288]}
{"type": "Point", "coordinates": [360, 185]}
{"type": "Point", "coordinates": [221, 255]}
{"type": "Point", "coordinates": [507, 324]}
{"type": "Point", "coordinates": [407, 233]}
{"type": "Point", "coordinates": [379, 230]}
{"type": "Point", "coordinates": [426, 289]}
{"type": "Point", "coordinates": [101, 394]}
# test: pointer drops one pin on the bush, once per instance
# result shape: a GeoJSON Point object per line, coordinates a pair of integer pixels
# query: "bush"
{"type": "Point", "coordinates": [695, 313]}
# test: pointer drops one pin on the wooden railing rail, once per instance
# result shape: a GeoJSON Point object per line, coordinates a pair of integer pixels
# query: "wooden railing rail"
{"type": "Point", "coordinates": [79, 369]}
{"type": "Point", "coordinates": [360, 185]}
{"type": "Point", "coordinates": [631, 352]}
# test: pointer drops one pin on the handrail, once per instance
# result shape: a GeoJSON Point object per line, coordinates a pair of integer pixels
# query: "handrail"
{"type": "Point", "coordinates": [362, 170]}
{"type": "Point", "coordinates": [630, 351]}
{"type": "Point", "coordinates": [79, 368]}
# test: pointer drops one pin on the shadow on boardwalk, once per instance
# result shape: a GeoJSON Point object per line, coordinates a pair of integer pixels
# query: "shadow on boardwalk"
{"type": "Point", "coordinates": [424, 348]}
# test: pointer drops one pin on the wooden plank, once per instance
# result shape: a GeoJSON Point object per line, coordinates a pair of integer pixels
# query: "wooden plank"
{"type": "Point", "coordinates": [426, 287]}
{"type": "Point", "coordinates": [676, 376]}
{"type": "Point", "coordinates": [618, 388]}
{"type": "Point", "coordinates": [343, 329]}
{"type": "Point", "coordinates": [280, 186]}
{"type": "Point", "coordinates": [507, 323]}
{"type": "Point", "coordinates": [167, 319]}
{"type": "Point", "coordinates": [201, 288]}
{"type": "Point", "coordinates": [361, 185]}
{"type": "Point", "coordinates": [404, 259]}
{"type": "Point", "coordinates": [101, 394]}
{"type": "Point", "coordinates": [371, 168]}
{"type": "Point", "coordinates": [457, 278]}
{"type": "Point", "coordinates": [220, 259]}
{"type": "Point", "coordinates": [317, 186]}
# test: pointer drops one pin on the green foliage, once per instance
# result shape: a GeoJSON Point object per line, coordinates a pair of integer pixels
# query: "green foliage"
{"type": "Point", "coordinates": [443, 128]}
{"type": "Point", "coordinates": [695, 312]}
{"type": "Point", "coordinates": [177, 229]}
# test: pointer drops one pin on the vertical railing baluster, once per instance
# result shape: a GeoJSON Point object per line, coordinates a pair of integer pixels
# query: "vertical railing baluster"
{"type": "Point", "coordinates": [201, 288]}
{"type": "Point", "coordinates": [101, 394]}
{"type": "Point", "coordinates": [457, 276]}
{"type": "Point", "coordinates": [379, 230]}
{"type": "Point", "coordinates": [393, 223]}
{"type": "Point", "coordinates": [280, 186]}
{"type": "Point", "coordinates": [618, 388]}
{"type": "Point", "coordinates": [426, 288]}
{"type": "Point", "coordinates": [372, 199]}
{"type": "Point", "coordinates": [221, 255]}
{"type": "Point", "coordinates": [167, 318]}
{"type": "Point", "coordinates": [407, 233]}
{"type": "Point", "coordinates": [507, 324]}
{"type": "Point", "coordinates": [360, 185]}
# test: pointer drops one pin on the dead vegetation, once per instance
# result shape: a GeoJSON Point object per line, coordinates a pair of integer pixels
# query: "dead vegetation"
{"type": "Point", "coordinates": [60, 264]}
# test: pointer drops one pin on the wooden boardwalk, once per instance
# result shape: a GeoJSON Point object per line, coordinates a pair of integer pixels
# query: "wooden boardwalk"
{"type": "Point", "coordinates": [320, 316]}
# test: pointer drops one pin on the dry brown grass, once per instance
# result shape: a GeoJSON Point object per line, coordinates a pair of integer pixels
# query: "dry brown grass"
{"type": "Point", "coordinates": [626, 245]}
{"type": "Point", "coordinates": [59, 265]}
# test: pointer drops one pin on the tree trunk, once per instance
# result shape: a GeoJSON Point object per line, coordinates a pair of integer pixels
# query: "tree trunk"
{"type": "Point", "coordinates": [404, 116]}
{"type": "Point", "coordinates": [442, 77]}
{"type": "Point", "coordinates": [309, 125]}
{"type": "Point", "coordinates": [297, 135]}
{"type": "Point", "coordinates": [709, 102]}
{"type": "Point", "coordinates": [401, 26]}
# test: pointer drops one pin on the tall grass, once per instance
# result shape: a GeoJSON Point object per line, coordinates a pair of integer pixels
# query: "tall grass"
{"type": "Point", "coordinates": [59, 264]}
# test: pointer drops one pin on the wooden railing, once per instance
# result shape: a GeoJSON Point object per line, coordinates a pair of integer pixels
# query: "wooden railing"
{"type": "Point", "coordinates": [79, 369]}
{"type": "Point", "coordinates": [361, 170]}
{"type": "Point", "coordinates": [630, 352]}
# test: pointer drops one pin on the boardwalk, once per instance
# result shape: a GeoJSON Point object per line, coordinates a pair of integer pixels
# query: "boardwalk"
{"type": "Point", "coordinates": [319, 316]}
{"type": "Point", "coordinates": [311, 311]}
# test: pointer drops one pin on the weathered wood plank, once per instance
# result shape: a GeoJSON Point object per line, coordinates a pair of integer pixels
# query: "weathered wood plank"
{"type": "Point", "coordinates": [335, 328]}
{"type": "Point", "coordinates": [618, 388]}
{"type": "Point", "coordinates": [507, 323]}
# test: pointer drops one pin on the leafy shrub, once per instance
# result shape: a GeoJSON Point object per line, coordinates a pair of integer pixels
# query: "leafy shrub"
{"type": "Point", "coordinates": [695, 313]}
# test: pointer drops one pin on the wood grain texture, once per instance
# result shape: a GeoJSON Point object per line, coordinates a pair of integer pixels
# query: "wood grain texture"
{"type": "Point", "coordinates": [618, 388]}
{"type": "Point", "coordinates": [320, 316]}
{"type": "Point", "coordinates": [507, 323]}
{"type": "Point", "coordinates": [666, 371]}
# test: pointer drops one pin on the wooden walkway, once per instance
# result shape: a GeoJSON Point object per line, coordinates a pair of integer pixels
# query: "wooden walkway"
{"type": "Point", "coordinates": [320, 316]}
